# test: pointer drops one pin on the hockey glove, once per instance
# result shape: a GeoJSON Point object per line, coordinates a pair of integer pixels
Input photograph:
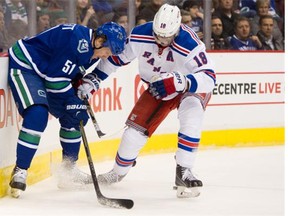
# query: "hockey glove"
{"type": "Point", "coordinates": [167, 84]}
{"type": "Point", "coordinates": [88, 85]}
{"type": "Point", "coordinates": [76, 111]}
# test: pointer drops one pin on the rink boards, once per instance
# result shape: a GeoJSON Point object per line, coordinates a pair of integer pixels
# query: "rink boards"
{"type": "Point", "coordinates": [246, 109]}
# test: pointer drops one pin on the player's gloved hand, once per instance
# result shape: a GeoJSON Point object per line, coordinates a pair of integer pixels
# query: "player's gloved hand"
{"type": "Point", "coordinates": [76, 111]}
{"type": "Point", "coordinates": [167, 84]}
{"type": "Point", "coordinates": [88, 85]}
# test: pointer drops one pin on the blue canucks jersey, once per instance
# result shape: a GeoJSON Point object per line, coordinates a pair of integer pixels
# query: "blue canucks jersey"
{"type": "Point", "coordinates": [247, 45]}
{"type": "Point", "coordinates": [57, 55]}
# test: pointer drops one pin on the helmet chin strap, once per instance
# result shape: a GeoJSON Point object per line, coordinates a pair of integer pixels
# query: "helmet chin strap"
{"type": "Point", "coordinates": [93, 40]}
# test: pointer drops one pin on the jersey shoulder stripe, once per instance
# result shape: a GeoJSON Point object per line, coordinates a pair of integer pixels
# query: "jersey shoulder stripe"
{"type": "Point", "coordinates": [143, 34]}
{"type": "Point", "coordinates": [186, 41]}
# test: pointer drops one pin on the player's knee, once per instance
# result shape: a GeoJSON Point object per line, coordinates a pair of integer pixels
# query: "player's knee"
{"type": "Point", "coordinates": [36, 117]}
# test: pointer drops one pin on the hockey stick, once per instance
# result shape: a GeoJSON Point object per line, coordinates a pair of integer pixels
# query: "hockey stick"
{"type": "Point", "coordinates": [92, 116]}
{"type": "Point", "coordinates": [111, 202]}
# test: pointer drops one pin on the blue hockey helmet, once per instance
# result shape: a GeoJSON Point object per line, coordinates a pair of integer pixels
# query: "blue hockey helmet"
{"type": "Point", "coordinates": [115, 36]}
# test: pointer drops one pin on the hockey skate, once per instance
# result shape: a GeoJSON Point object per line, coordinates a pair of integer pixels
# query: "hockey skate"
{"type": "Point", "coordinates": [109, 178]}
{"type": "Point", "coordinates": [18, 181]}
{"type": "Point", "coordinates": [70, 177]}
{"type": "Point", "coordinates": [186, 184]}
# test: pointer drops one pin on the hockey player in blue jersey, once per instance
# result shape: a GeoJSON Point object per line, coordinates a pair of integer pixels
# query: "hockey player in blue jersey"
{"type": "Point", "coordinates": [174, 63]}
{"type": "Point", "coordinates": [42, 71]}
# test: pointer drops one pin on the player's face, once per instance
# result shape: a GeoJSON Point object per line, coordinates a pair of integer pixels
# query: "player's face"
{"type": "Point", "coordinates": [98, 43]}
{"type": "Point", "coordinates": [103, 52]}
{"type": "Point", "coordinates": [164, 41]}
{"type": "Point", "coordinates": [99, 50]}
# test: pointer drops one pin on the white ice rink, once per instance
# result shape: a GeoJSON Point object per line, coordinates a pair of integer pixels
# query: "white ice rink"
{"type": "Point", "coordinates": [237, 181]}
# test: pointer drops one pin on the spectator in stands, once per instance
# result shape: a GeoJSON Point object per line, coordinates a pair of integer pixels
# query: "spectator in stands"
{"type": "Point", "coordinates": [139, 6]}
{"type": "Point", "coordinates": [246, 8]}
{"type": "Point", "coordinates": [15, 10]}
{"type": "Point", "coordinates": [215, 5]}
{"type": "Point", "coordinates": [43, 20]}
{"type": "Point", "coordinates": [197, 17]}
{"type": "Point", "coordinates": [218, 41]}
{"type": "Point", "coordinates": [265, 34]}
{"type": "Point", "coordinates": [186, 18]}
{"type": "Point", "coordinates": [280, 10]}
{"type": "Point", "coordinates": [227, 15]}
{"type": "Point", "coordinates": [85, 14]}
{"type": "Point", "coordinates": [16, 20]}
{"type": "Point", "coordinates": [104, 11]}
{"type": "Point", "coordinates": [58, 17]}
{"type": "Point", "coordinates": [120, 17]}
{"type": "Point", "coordinates": [262, 8]}
{"type": "Point", "coordinates": [3, 34]}
{"type": "Point", "coordinates": [42, 4]}
{"type": "Point", "coordinates": [242, 40]}
{"type": "Point", "coordinates": [56, 4]}
{"type": "Point", "coordinates": [148, 12]}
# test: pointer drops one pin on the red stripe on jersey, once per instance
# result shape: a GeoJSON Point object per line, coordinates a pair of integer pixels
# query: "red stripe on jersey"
{"type": "Point", "coordinates": [116, 60]}
{"type": "Point", "coordinates": [209, 73]}
{"type": "Point", "coordinates": [192, 33]}
{"type": "Point", "coordinates": [142, 37]}
{"type": "Point", "coordinates": [181, 49]}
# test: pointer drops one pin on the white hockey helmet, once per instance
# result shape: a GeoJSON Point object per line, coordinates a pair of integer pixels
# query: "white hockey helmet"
{"type": "Point", "coordinates": [167, 21]}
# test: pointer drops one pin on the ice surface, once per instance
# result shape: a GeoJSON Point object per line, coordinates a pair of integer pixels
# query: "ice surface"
{"type": "Point", "coordinates": [237, 181]}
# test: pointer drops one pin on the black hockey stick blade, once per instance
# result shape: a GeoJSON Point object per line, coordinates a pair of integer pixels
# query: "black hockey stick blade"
{"type": "Point", "coordinates": [111, 202]}
{"type": "Point", "coordinates": [116, 203]}
{"type": "Point", "coordinates": [100, 133]}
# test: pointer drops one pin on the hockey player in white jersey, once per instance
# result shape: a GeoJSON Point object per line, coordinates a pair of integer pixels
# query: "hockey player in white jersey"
{"type": "Point", "coordinates": [180, 75]}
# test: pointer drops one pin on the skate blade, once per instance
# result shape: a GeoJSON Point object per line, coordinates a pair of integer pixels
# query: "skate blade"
{"type": "Point", "coordinates": [15, 193]}
{"type": "Point", "coordinates": [184, 192]}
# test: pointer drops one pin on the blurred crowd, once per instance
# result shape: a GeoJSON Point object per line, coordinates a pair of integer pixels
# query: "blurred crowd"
{"type": "Point", "coordinates": [235, 24]}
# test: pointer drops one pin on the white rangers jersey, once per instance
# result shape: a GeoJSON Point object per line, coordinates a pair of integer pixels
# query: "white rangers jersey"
{"type": "Point", "coordinates": [187, 55]}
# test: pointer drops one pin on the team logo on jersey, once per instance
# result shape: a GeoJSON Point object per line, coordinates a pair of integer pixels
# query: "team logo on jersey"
{"type": "Point", "coordinates": [42, 93]}
{"type": "Point", "coordinates": [83, 46]}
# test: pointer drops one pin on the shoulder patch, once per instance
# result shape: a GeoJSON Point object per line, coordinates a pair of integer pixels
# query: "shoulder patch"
{"type": "Point", "coordinates": [83, 46]}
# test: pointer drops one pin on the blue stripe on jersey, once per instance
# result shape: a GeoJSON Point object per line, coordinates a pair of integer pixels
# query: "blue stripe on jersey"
{"type": "Point", "coordinates": [100, 74]}
{"type": "Point", "coordinates": [145, 30]}
{"type": "Point", "coordinates": [143, 34]}
{"type": "Point", "coordinates": [194, 84]}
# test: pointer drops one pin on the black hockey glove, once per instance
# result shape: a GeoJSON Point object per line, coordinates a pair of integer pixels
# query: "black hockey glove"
{"type": "Point", "coordinates": [76, 111]}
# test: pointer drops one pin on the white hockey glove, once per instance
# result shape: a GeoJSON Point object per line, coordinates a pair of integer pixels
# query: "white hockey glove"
{"type": "Point", "coordinates": [88, 85]}
{"type": "Point", "coordinates": [168, 84]}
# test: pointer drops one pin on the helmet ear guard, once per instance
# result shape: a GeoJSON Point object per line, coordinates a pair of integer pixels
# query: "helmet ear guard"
{"type": "Point", "coordinates": [114, 34]}
{"type": "Point", "coordinates": [167, 21]}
